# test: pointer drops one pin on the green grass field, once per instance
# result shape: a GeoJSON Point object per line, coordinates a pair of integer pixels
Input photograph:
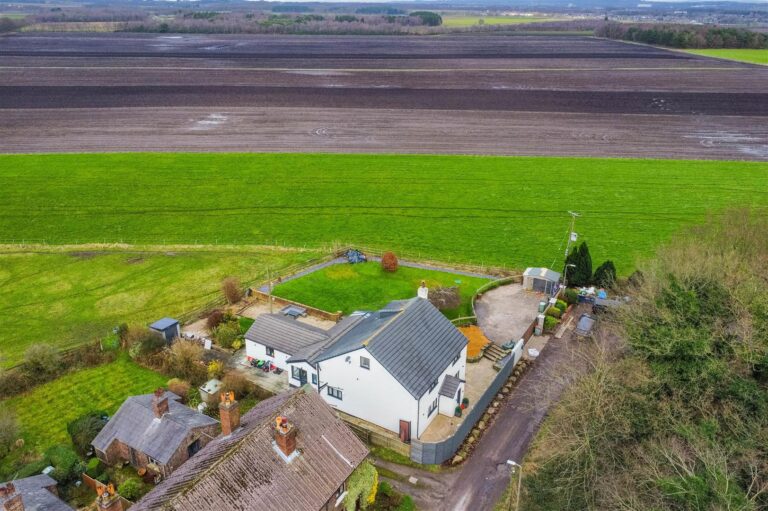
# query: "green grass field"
{"type": "Point", "coordinates": [753, 56]}
{"type": "Point", "coordinates": [491, 210]}
{"type": "Point", "coordinates": [44, 412]}
{"type": "Point", "coordinates": [69, 298]}
{"type": "Point", "coordinates": [470, 21]}
{"type": "Point", "coordinates": [347, 287]}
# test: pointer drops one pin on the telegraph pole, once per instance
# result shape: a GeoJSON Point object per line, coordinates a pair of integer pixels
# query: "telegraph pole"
{"type": "Point", "coordinates": [571, 236]}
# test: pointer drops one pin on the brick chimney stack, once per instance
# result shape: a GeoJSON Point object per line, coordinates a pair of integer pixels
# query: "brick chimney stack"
{"type": "Point", "coordinates": [108, 499]}
{"type": "Point", "coordinates": [160, 403]}
{"type": "Point", "coordinates": [229, 413]}
{"type": "Point", "coordinates": [285, 435]}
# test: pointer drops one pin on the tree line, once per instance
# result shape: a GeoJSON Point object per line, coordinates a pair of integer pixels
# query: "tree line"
{"type": "Point", "coordinates": [684, 36]}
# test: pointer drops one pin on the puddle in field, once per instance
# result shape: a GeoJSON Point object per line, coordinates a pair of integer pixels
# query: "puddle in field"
{"type": "Point", "coordinates": [209, 122]}
{"type": "Point", "coordinates": [752, 145]}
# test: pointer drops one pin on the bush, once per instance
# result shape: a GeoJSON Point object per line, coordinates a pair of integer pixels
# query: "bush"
{"type": "Point", "coordinates": [605, 275]}
{"type": "Point", "coordinates": [142, 342]}
{"type": "Point", "coordinates": [214, 319]}
{"type": "Point", "coordinates": [9, 430]}
{"type": "Point", "coordinates": [215, 369]}
{"type": "Point", "coordinates": [562, 306]}
{"type": "Point", "coordinates": [131, 489]}
{"type": "Point", "coordinates": [66, 464]}
{"type": "Point", "coordinates": [553, 312]}
{"type": "Point", "coordinates": [431, 19]}
{"type": "Point", "coordinates": [571, 296]}
{"type": "Point", "coordinates": [581, 272]}
{"type": "Point", "coordinates": [550, 323]}
{"type": "Point", "coordinates": [41, 361]}
{"type": "Point", "coordinates": [84, 429]}
{"type": "Point", "coordinates": [179, 387]}
{"type": "Point", "coordinates": [226, 333]}
{"type": "Point", "coordinates": [184, 361]}
{"type": "Point", "coordinates": [237, 383]}
{"type": "Point", "coordinates": [232, 290]}
{"type": "Point", "coordinates": [389, 262]}
{"type": "Point", "coordinates": [94, 468]}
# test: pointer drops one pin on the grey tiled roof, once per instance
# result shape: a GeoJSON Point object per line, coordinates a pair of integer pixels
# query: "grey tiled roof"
{"type": "Point", "coordinates": [135, 425]}
{"type": "Point", "coordinates": [410, 338]}
{"type": "Point", "coordinates": [284, 334]}
{"type": "Point", "coordinates": [450, 386]}
{"type": "Point", "coordinates": [35, 494]}
{"type": "Point", "coordinates": [243, 471]}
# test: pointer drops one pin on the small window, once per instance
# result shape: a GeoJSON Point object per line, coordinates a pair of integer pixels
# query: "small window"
{"type": "Point", "coordinates": [270, 352]}
{"type": "Point", "coordinates": [334, 392]}
{"type": "Point", "coordinates": [432, 387]}
{"type": "Point", "coordinates": [432, 407]}
{"type": "Point", "coordinates": [314, 379]}
{"type": "Point", "coordinates": [295, 374]}
{"type": "Point", "coordinates": [456, 359]}
{"type": "Point", "coordinates": [365, 362]}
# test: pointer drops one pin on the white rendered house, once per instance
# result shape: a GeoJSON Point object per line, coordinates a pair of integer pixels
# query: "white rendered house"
{"type": "Point", "coordinates": [398, 367]}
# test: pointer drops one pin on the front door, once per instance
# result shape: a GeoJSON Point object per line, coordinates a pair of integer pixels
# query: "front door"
{"type": "Point", "coordinates": [405, 431]}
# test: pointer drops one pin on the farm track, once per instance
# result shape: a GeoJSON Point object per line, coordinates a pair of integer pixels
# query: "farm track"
{"type": "Point", "coordinates": [467, 94]}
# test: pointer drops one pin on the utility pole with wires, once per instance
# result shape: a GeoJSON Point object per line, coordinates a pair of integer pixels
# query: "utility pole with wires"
{"type": "Point", "coordinates": [572, 236]}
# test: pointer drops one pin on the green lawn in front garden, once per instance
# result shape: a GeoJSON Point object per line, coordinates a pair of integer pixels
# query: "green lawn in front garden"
{"type": "Point", "coordinates": [69, 298]}
{"type": "Point", "coordinates": [365, 286]}
{"type": "Point", "coordinates": [43, 412]}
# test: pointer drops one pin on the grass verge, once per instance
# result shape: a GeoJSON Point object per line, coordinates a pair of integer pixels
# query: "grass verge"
{"type": "Point", "coordinates": [395, 457]}
{"type": "Point", "coordinates": [752, 56]}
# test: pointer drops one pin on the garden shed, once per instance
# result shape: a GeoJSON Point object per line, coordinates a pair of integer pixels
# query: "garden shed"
{"type": "Point", "coordinates": [167, 327]}
{"type": "Point", "coordinates": [541, 280]}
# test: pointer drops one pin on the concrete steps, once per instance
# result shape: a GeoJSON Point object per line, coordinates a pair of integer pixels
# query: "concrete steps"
{"type": "Point", "coordinates": [494, 353]}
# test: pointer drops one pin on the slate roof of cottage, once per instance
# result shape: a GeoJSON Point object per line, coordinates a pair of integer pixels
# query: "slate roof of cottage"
{"type": "Point", "coordinates": [135, 425]}
{"type": "Point", "coordinates": [284, 334]}
{"type": "Point", "coordinates": [410, 338]}
{"type": "Point", "coordinates": [450, 386]}
{"type": "Point", "coordinates": [35, 494]}
{"type": "Point", "coordinates": [244, 471]}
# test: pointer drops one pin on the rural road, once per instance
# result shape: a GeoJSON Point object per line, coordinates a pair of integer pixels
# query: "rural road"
{"type": "Point", "coordinates": [480, 482]}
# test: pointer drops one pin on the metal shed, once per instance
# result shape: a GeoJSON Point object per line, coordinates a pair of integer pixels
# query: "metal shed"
{"type": "Point", "coordinates": [542, 280]}
{"type": "Point", "coordinates": [167, 327]}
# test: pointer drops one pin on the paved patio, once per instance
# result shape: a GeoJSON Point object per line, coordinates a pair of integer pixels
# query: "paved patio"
{"type": "Point", "coordinates": [272, 382]}
{"type": "Point", "coordinates": [505, 313]}
{"type": "Point", "coordinates": [479, 377]}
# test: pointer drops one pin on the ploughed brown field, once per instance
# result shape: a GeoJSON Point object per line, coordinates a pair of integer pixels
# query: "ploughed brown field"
{"type": "Point", "coordinates": [488, 94]}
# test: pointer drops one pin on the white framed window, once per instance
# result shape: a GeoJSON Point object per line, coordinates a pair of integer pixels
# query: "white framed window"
{"type": "Point", "coordinates": [365, 362]}
{"type": "Point", "coordinates": [334, 392]}
{"type": "Point", "coordinates": [314, 379]}
{"type": "Point", "coordinates": [295, 373]}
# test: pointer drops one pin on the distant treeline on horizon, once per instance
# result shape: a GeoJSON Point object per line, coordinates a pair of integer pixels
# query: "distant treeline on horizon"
{"type": "Point", "coordinates": [685, 36]}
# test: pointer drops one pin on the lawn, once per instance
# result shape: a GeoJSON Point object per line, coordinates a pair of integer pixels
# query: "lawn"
{"type": "Point", "coordinates": [753, 56]}
{"type": "Point", "coordinates": [44, 412]}
{"type": "Point", "coordinates": [509, 211]}
{"type": "Point", "coordinates": [469, 21]}
{"type": "Point", "coordinates": [351, 287]}
{"type": "Point", "coordinates": [69, 298]}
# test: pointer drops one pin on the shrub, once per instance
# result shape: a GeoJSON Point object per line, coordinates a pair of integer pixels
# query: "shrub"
{"type": "Point", "coordinates": [237, 344]}
{"type": "Point", "coordinates": [571, 296]}
{"type": "Point", "coordinates": [94, 468]}
{"type": "Point", "coordinates": [66, 464]}
{"type": "Point", "coordinates": [429, 18]}
{"type": "Point", "coordinates": [562, 306]}
{"type": "Point", "coordinates": [14, 381]}
{"type": "Point", "coordinates": [389, 262]}
{"type": "Point", "coordinates": [550, 323]}
{"type": "Point", "coordinates": [232, 290]}
{"type": "Point", "coordinates": [84, 429]}
{"type": "Point", "coordinates": [553, 312]}
{"type": "Point", "coordinates": [215, 369]}
{"type": "Point", "coordinates": [131, 489]}
{"type": "Point", "coordinates": [42, 361]}
{"type": "Point", "coordinates": [445, 297]}
{"type": "Point", "coordinates": [226, 333]}
{"type": "Point", "coordinates": [9, 430]}
{"type": "Point", "coordinates": [237, 383]}
{"type": "Point", "coordinates": [581, 272]}
{"type": "Point", "coordinates": [142, 342]}
{"type": "Point", "coordinates": [214, 319]}
{"type": "Point", "coordinates": [605, 275]}
{"type": "Point", "coordinates": [184, 361]}
{"type": "Point", "coordinates": [179, 387]}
